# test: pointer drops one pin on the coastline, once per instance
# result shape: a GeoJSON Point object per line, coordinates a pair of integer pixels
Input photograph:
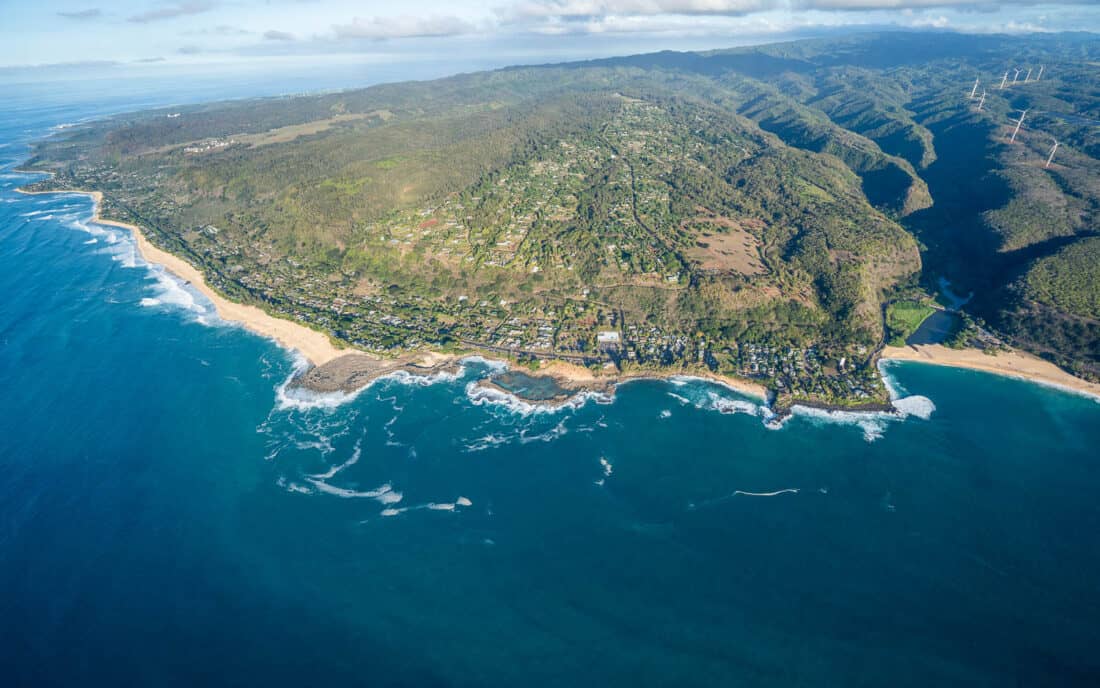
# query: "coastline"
{"type": "Point", "coordinates": [348, 370]}
{"type": "Point", "coordinates": [577, 376]}
{"type": "Point", "coordinates": [314, 345]}
{"type": "Point", "coordinates": [352, 369]}
{"type": "Point", "coordinates": [1017, 364]}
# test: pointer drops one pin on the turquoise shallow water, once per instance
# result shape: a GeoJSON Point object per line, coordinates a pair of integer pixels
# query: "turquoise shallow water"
{"type": "Point", "coordinates": [169, 517]}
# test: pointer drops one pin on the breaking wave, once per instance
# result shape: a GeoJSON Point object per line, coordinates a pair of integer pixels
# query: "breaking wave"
{"type": "Point", "coordinates": [404, 377]}
{"type": "Point", "coordinates": [872, 423]}
{"type": "Point", "coordinates": [479, 395]}
{"type": "Point", "coordinates": [700, 397]}
{"type": "Point", "coordinates": [173, 292]}
{"type": "Point", "coordinates": [288, 396]}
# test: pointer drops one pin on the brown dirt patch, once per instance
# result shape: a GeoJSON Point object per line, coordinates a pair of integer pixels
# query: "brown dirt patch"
{"type": "Point", "coordinates": [725, 245]}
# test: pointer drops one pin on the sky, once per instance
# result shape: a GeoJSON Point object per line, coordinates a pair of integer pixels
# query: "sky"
{"type": "Point", "coordinates": [148, 33]}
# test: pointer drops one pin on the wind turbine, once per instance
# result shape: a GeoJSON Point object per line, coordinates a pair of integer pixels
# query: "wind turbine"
{"type": "Point", "coordinates": [1003, 80]}
{"type": "Point", "coordinates": [1040, 74]}
{"type": "Point", "coordinates": [1016, 75]}
{"type": "Point", "coordinates": [1028, 77]}
{"type": "Point", "coordinates": [974, 90]}
{"type": "Point", "coordinates": [1015, 131]}
{"type": "Point", "coordinates": [1050, 158]}
{"type": "Point", "coordinates": [981, 102]}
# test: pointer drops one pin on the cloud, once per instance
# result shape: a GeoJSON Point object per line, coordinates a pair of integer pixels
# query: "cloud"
{"type": "Point", "coordinates": [189, 50]}
{"type": "Point", "coordinates": [226, 30]}
{"type": "Point", "coordinates": [274, 35]}
{"type": "Point", "coordinates": [561, 11]}
{"type": "Point", "coordinates": [181, 9]}
{"type": "Point", "coordinates": [590, 9]}
{"type": "Point", "coordinates": [381, 28]}
{"type": "Point", "coordinates": [864, 5]}
{"type": "Point", "coordinates": [90, 13]}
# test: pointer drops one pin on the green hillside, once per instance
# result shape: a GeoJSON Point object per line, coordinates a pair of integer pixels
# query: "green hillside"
{"type": "Point", "coordinates": [748, 211]}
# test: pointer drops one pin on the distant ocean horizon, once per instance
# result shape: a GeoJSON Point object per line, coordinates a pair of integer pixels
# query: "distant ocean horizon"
{"type": "Point", "coordinates": [171, 514]}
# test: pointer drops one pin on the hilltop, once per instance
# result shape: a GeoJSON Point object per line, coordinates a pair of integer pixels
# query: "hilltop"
{"type": "Point", "coordinates": [753, 212]}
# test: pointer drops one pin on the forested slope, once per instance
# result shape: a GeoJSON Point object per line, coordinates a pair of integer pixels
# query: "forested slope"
{"type": "Point", "coordinates": [750, 211]}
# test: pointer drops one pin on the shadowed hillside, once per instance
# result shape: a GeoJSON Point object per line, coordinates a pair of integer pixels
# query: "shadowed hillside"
{"type": "Point", "coordinates": [749, 211]}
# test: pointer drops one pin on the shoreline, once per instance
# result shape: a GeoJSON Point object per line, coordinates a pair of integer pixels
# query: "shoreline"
{"type": "Point", "coordinates": [314, 345]}
{"type": "Point", "coordinates": [577, 376]}
{"type": "Point", "coordinates": [350, 369]}
{"type": "Point", "coordinates": [1015, 364]}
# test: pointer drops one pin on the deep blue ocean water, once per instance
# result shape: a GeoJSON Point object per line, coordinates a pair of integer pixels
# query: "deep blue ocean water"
{"type": "Point", "coordinates": [170, 516]}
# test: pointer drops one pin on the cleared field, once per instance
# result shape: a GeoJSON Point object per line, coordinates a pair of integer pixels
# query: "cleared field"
{"type": "Point", "coordinates": [725, 246]}
{"type": "Point", "coordinates": [903, 318]}
{"type": "Point", "coordinates": [294, 131]}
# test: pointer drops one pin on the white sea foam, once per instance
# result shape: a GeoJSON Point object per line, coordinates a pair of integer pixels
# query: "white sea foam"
{"type": "Point", "coordinates": [728, 406]}
{"type": "Point", "coordinates": [742, 493]}
{"type": "Point", "coordinates": [682, 380]}
{"type": "Point", "coordinates": [487, 442]}
{"type": "Point", "coordinates": [915, 405]}
{"type": "Point", "coordinates": [873, 423]}
{"type": "Point", "coordinates": [488, 396]}
{"type": "Point", "coordinates": [493, 365]}
{"type": "Point", "coordinates": [171, 291]}
{"type": "Point", "coordinates": [549, 436]}
{"type": "Point", "coordinates": [430, 506]}
{"type": "Point", "coordinates": [290, 486]}
{"type": "Point", "coordinates": [301, 399]}
{"type": "Point", "coordinates": [789, 490]}
{"type": "Point", "coordinates": [404, 377]}
{"type": "Point", "coordinates": [384, 494]}
{"type": "Point", "coordinates": [893, 386]}
{"type": "Point", "coordinates": [699, 396]}
{"type": "Point", "coordinates": [664, 414]}
{"type": "Point", "coordinates": [351, 461]}
{"type": "Point", "coordinates": [289, 396]}
{"type": "Point", "coordinates": [607, 467]}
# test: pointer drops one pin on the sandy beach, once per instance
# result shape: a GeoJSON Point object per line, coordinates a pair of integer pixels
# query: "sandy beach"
{"type": "Point", "coordinates": [314, 345]}
{"type": "Point", "coordinates": [320, 350]}
{"type": "Point", "coordinates": [351, 368]}
{"type": "Point", "coordinates": [1016, 364]}
{"type": "Point", "coordinates": [576, 375]}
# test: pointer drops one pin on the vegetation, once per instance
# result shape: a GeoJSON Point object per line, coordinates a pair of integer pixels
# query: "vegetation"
{"type": "Point", "coordinates": [747, 211]}
{"type": "Point", "coordinates": [903, 318]}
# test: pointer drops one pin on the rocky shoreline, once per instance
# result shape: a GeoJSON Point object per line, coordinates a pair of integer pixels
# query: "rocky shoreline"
{"type": "Point", "coordinates": [560, 385]}
{"type": "Point", "coordinates": [343, 370]}
{"type": "Point", "coordinates": [352, 372]}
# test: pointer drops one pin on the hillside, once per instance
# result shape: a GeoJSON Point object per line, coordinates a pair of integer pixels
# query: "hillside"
{"type": "Point", "coordinates": [747, 211]}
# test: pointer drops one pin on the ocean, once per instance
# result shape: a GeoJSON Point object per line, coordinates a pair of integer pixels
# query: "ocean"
{"type": "Point", "coordinates": [170, 514]}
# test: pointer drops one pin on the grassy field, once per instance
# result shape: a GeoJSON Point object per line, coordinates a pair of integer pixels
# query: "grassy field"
{"type": "Point", "coordinates": [903, 318]}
